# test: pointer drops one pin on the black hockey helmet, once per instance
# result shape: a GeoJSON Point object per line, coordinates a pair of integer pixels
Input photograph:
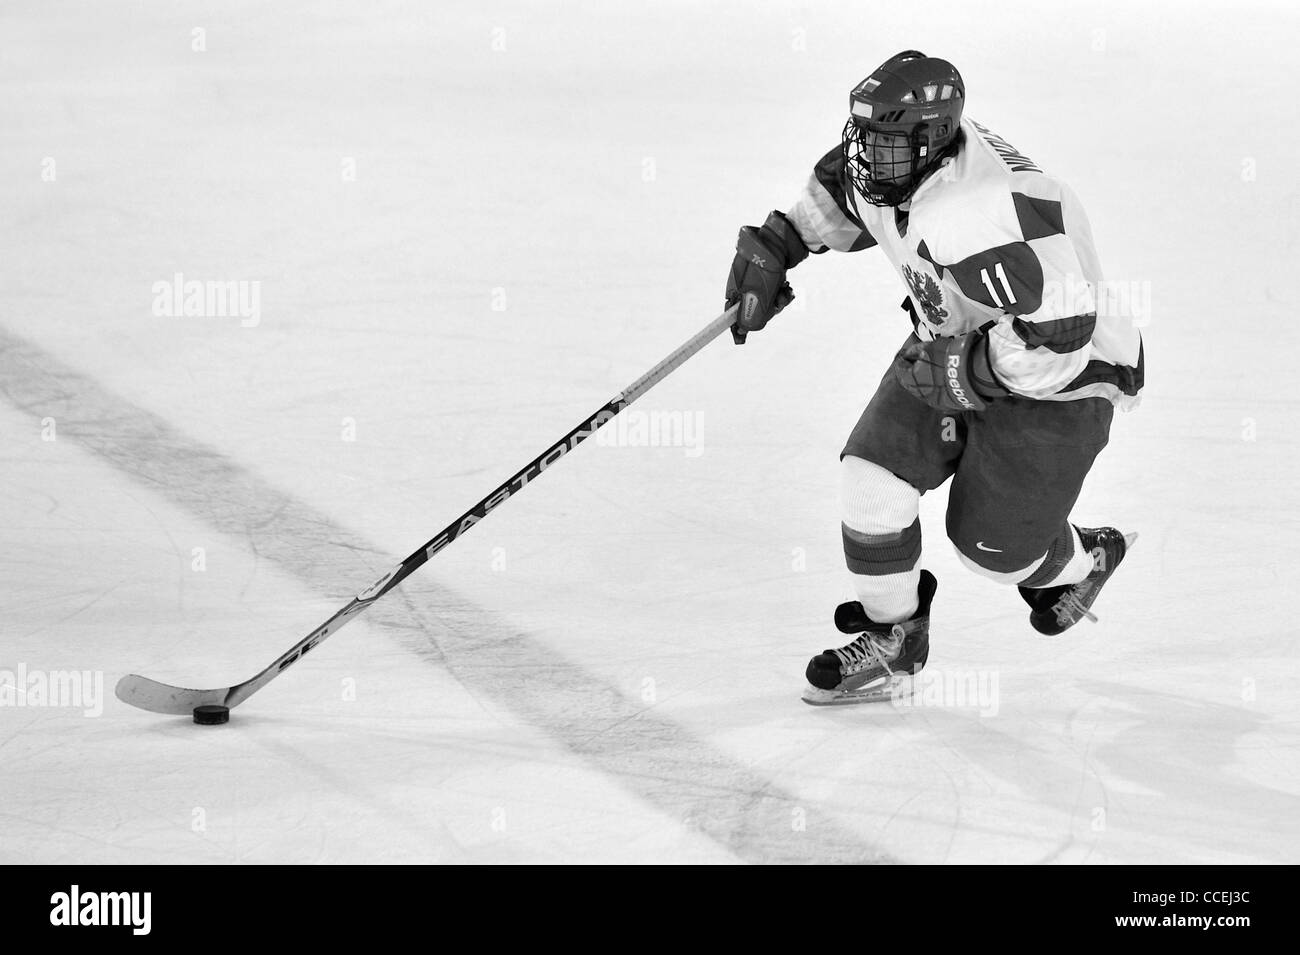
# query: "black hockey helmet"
{"type": "Point", "coordinates": [903, 119]}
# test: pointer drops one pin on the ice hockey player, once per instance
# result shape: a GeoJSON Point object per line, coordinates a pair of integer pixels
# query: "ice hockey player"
{"type": "Point", "coordinates": [1007, 384]}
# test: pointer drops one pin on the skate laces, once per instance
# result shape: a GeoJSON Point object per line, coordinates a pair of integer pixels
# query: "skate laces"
{"type": "Point", "coordinates": [1070, 608]}
{"type": "Point", "coordinates": [872, 648]}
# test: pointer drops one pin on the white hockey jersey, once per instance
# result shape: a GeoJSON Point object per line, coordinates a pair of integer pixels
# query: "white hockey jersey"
{"type": "Point", "coordinates": [991, 241]}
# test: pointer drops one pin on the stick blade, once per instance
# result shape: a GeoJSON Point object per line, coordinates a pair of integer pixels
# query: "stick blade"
{"type": "Point", "coordinates": [146, 694]}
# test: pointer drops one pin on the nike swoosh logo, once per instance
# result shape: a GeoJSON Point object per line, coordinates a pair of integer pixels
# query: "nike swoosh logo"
{"type": "Point", "coordinates": [991, 550]}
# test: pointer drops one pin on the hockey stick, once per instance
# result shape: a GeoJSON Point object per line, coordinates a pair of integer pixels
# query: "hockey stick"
{"type": "Point", "coordinates": [158, 697]}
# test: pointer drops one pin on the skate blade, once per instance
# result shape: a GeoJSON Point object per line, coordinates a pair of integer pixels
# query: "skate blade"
{"type": "Point", "coordinates": [897, 688]}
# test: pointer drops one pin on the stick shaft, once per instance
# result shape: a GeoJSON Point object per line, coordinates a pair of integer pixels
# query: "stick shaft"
{"type": "Point", "coordinates": [490, 502]}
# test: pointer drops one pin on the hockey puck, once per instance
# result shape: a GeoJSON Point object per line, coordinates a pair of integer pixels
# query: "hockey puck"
{"type": "Point", "coordinates": [211, 714]}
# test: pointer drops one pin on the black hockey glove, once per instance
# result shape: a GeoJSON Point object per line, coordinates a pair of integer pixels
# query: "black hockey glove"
{"type": "Point", "coordinates": [951, 374]}
{"type": "Point", "coordinates": [757, 278]}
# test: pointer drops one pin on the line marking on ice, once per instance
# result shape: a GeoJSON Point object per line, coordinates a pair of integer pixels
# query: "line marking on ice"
{"type": "Point", "coordinates": [659, 760]}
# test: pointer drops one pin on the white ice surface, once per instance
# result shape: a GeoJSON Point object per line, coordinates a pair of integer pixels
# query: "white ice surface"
{"type": "Point", "coordinates": [608, 668]}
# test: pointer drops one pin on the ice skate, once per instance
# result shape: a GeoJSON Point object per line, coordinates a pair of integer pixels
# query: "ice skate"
{"type": "Point", "coordinates": [1054, 610]}
{"type": "Point", "coordinates": [880, 664]}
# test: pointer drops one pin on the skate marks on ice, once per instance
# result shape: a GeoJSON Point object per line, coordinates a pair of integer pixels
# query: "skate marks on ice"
{"type": "Point", "coordinates": [657, 759]}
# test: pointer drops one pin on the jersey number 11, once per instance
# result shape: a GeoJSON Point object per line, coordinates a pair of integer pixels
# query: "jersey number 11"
{"type": "Point", "coordinates": [1002, 280]}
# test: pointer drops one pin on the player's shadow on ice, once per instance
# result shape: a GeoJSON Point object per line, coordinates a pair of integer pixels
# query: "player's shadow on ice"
{"type": "Point", "coordinates": [1150, 759]}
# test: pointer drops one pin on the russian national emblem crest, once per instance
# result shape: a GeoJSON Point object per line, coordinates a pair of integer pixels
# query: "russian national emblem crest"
{"type": "Point", "coordinates": [927, 294]}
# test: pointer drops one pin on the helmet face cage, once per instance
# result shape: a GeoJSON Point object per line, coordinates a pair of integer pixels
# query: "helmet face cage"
{"type": "Point", "coordinates": [903, 119]}
{"type": "Point", "coordinates": [884, 166]}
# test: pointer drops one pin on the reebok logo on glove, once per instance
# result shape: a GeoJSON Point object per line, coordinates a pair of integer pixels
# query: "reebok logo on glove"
{"type": "Point", "coordinates": [951, 374]}
{"type": "Point", "coordinates": [954, 382]}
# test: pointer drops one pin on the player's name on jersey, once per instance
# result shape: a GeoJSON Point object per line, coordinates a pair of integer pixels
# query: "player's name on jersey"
{"type": "Point", "coordinates": [1013, 157]}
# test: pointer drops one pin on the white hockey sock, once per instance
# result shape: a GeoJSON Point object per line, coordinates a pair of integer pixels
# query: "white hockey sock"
{"type": "Point", "coordinates": [1076, 568]}
{"type": "Point", "coordinates": [879, 513]}
{"type": "Point", "coordinates": [889, 598]}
